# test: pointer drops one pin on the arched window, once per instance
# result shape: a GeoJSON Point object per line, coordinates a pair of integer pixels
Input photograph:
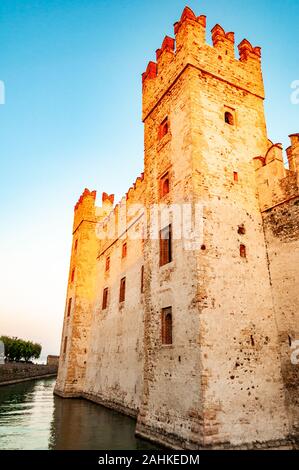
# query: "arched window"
{"type": "Point", "coordinates": [167, 325]}
{"type": "Point", "coordinates": [165, 187]}
{"type": "Point", "coordinates": [164, 184]}
{"type": "Point", "coordinates": [229, 118]}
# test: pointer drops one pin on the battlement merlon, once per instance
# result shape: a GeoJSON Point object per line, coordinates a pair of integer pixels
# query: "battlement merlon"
{"type": "Point", "coordinates": [293, 153]}
{"type": "Point", "coordinates": [189, 48]}
{"type": "Point", "coordinates": [86, 209]}
{"type": "Point", "coordinates": [276, 183]}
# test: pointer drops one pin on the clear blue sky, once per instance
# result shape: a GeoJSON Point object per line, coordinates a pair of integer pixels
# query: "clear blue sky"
{"type": "Point", "coordinates": [72, 119]}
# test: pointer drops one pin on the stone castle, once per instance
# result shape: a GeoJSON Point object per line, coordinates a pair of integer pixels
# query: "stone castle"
{"type": "Point", "coordinates": [193, 339]}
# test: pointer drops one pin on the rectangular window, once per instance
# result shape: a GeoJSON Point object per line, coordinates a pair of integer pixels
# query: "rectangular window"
{"type": "Point", "coordinates": [167, 325]}
{"type": "Point", "coordinates": [165, 245]}
{"type": "Point", "coordinates": [65, 345]}
{"type": "Point", "coordinates": [163, 128]}
{"type": "Point", "coordinates": [142, 280]}
{"type": "Point", "coordinates": [124, 250]}
{"type": "Point", "coordinates": [243, 251]}
{"type": "Point", "coordinates": [236, 176]}
{"type": "Point", "coordinates": [69, 307]}
{"type": "Point", "coordinates": [107, 267]}
{"type": "Point", "coordinates": [105, 299]}
{"type": "Point", "coordinates": [122, 290]}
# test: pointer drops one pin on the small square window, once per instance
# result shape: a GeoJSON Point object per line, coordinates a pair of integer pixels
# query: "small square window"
{"type": "Point", "coordinates": [229, 118]}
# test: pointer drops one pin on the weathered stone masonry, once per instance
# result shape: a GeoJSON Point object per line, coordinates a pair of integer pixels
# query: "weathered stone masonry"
{"type": "Point", "coordinates": [225, 378]}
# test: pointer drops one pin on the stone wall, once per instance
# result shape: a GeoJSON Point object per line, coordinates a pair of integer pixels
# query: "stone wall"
{"type": "Point", "coordinates": [52, 360]}
{"type": "Point", "coordinates": [281, 225]}
{"type": "Point", "coordinates": [14, 372]}
{"type": "Point", "coordinates": [115, 344]}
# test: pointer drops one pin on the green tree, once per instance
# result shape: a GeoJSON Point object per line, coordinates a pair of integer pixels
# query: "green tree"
{"type": "Point", "coordinates": [16, 349]}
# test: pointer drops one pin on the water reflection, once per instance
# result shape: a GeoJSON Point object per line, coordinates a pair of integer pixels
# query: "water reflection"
{"type": "Point", "coordinates": [25, 415]}
{"type": "Point", "coordinates": [32, 418]}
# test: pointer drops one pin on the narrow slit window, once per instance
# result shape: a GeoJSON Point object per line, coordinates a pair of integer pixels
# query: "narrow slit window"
{"type": "Point", "coordinates": [142, 280]}
{"type": "Point", "coordinates": [76, 245]}
{"type": "Point", "coordinates": [107, 266]}
{"type": "Point", "coordinates": [124, 250]}
{"type": "Point", "coordinates": [73, 275]}
{"type": "Point", "coordinates": [65, 345]}
{"type": "Point", "coordinates": [69, 307]}
{"type": "Point", "coordinates": [167, 326]}
{"type": "Point", "coordinates": [122, 290]}
{"type": "Point", "coordinates": [236, 177]}
{"type": "Point", "coordinates": [105, 299]}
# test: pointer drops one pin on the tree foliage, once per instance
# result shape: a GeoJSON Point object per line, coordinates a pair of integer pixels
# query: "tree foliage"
{"type": "Point", "coordinates": [16, 349]}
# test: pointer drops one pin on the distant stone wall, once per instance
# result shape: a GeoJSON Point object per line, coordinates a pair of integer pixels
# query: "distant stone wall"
{"type": "Point", "coordinates": [15, 372]}
{"type": "Point", "coordinates": [52, 360]}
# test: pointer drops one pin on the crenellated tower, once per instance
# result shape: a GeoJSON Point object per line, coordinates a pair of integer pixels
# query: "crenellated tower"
{"type": "Point", "coordinates": [81, 293]}
{"type": "Point", "coordinates": [219, 383]}
{"type": "Point", "coordinates": [278, 188]}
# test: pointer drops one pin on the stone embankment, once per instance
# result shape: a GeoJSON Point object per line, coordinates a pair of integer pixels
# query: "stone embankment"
{"type": "Point", "coordinates": [11, 373]}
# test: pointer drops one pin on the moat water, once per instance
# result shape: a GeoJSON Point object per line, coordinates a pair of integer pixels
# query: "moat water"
{"type": "Point", "coordinates": [31, 417]}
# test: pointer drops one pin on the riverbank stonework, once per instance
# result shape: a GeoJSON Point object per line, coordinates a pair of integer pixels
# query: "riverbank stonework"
{"type": "Point", "coordinates": [11, 373]}
{"type": "Point", "coordinates": [197, 348]}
